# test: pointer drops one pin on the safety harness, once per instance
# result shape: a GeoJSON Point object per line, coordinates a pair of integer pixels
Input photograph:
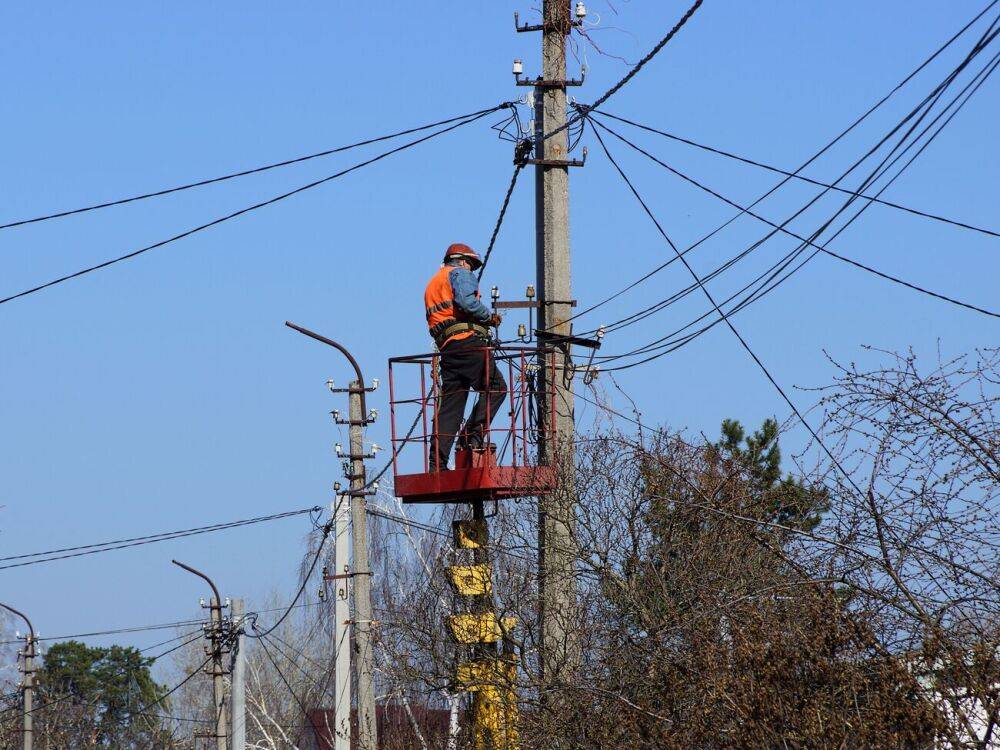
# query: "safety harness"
{"type": "Point", "coordinates": [450, 327]}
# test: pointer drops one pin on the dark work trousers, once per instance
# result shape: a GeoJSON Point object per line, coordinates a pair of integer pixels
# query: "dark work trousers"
{"type": "Point", "coordinates": [466, 364]}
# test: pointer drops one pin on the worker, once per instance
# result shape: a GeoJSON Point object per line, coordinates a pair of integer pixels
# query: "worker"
{"type": "Point", "coordinates": [460, 324]}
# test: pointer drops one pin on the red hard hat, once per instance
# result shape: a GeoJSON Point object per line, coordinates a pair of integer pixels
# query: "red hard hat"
{"type": "Point", "coordinates": [458, 250]}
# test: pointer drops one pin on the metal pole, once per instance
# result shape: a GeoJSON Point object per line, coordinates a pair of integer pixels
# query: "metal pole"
{"type": "Point", "coordinates": [341, 628]}
{"type": "Point", "coordinates": [27, 681]}
{"type": "Point", "coordinates": [556, 542]}
{"type": "Point", "coordinates": [217, 639]}
{"type": "Point", "coordinates": [367, 726]}
{"type": "Point", "coordinates": [237, 612]}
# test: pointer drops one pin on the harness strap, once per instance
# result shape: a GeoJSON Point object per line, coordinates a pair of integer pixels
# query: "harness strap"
{"type": "Point", "coordinates": [448, 328]}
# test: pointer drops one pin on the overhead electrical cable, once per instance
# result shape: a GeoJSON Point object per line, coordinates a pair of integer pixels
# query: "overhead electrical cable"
{"type": "Point", "coordinates": [797, 176]}
{"type": "Point", "coordinates": [919, 112]}
{"type": "Point", "coordinates": [328, 527]}
{"type": "Point", "coordinates": [35, 558]}
{"type": "Point", "coordinates": [262, 640]}
{"type": "Point", "coordinates": [881, 169]}
{"type": "Point", "coordinates": [821, 248]}
{"type": "Point", "coordinates": [500, 218]}
{"type": "Point", "coordinates": [436, 530]}
{"type": "Point", "coordinates": [248, 209]}
{"type": "Point", "coordinates": [118, 631]}
{"type": "Point", "coordinates": [126, 670]}
{"type": "Point", "coordinates": [840, 136]}
{"type": "Point", "coordinates": [743, 342]}
{"type": "Point", "coordinates": [769, 279]}
{"type": "Point", "coordinates": [243, 173]}
{"type": "Point", "coordinates": [632, 71]}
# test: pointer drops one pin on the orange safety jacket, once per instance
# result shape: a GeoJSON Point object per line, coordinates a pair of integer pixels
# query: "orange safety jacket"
{"type": "Point", "coordinates": [445, 320]}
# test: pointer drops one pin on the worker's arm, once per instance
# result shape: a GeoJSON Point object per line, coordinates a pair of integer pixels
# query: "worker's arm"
{"type": "Point", "coordinates": [464, 286]}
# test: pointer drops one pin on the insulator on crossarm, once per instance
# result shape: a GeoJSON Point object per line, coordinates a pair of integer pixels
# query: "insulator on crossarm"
{"type": "Point", "coordinates": [581, 11]}
{"type": "Point", "coordinates": [518, 68]}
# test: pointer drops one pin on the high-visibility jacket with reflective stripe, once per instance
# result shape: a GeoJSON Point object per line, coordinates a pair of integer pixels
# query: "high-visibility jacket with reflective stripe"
{"type": "Point", "coordinates": [441, 309]}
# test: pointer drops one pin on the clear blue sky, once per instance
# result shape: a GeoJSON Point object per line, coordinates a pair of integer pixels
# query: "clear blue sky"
{"type": "Point", "coordinates": [165, 393]}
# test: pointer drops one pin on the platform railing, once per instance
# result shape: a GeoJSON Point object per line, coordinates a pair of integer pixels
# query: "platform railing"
{"type": "Point", "coordinates": [517, 433]}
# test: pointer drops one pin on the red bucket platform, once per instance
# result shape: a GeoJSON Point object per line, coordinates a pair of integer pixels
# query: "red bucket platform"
{"type": "Point", "coordinates": [507, 469]}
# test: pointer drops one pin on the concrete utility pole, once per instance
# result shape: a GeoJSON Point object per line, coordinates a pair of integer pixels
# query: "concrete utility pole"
{"type": "Point", "coordinates": [218, 675]}
{"type": "Point", "coordinates": [27, 681]}
{"type": "Point", "coordinates": [28, 689]}
{"type": "Point", "coordinates": [358, 419]}
{"type": "Point", "coordinates": [367, 723]}
{"type": "Point", "coordinates": [218, 635]}
{"type": "Point", "coordinates": [556, 541]}
{"type": "Point", "coordinates": [239, 695]}
{"type": "Point", "coordinates": [341, 627]}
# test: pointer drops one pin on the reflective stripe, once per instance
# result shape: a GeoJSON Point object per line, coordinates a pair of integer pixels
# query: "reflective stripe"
{"type": "Point", "coordinates": [446, 305]}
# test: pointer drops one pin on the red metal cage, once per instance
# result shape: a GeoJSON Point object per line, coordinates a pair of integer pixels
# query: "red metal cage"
{"type": "Point", "coordinates": [510, 468]}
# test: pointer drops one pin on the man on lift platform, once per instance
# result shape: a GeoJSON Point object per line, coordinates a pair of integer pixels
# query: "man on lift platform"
{"type": "Point", "coordinates": [459, 324]}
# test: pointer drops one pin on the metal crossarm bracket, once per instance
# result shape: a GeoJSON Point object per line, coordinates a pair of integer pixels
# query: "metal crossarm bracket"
{"type": "Point", "coordinates": [362, 493]}
{"type": "Point", "coordinates": [554, 83]}
{"type": "Point", "coordinates": [555, 162]}
{"type": "Point", "coordinates": [522, 28]}
{"type": "Point", "coordinates": [557, 339]}
{"type": "Point", "coordinates": [360, 422]}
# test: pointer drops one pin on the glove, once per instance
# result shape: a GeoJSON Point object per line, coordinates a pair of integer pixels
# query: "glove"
{"type": "Point", "coordinates": [495, 320]}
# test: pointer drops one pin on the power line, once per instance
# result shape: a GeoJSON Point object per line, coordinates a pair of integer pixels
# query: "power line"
{"type": "Point", "coordinates": [772, 279]}
{"type": "Point", "coordinates": [500, 218]}
{"type": "Point", "coordinates": [145, 628]}
{"type": "Point", "coordinates": [404, 521]}
{"type": "Point", "coordinates": [796, 175]}
{"type": "Point", "coordinates": [328, 527]}
{"type": "Point", "coordinates": [248, 209]}
{"type": "Point", "coordinates": [840, 136]}
{"type": "Point", "coordinates": [119, 631]}
{"type": "Point", "coordinates": [729, 323]}
{"type": "Point", "coordinates": [932, 98]}
{"type": "Point", "coordinates": [790, 233]}
{"type": "Point", "coordinates": [881, 169]}
{"type": "Point", "coordinates": [93, 549]}
{"type": "Point", "coordinates": [243, 173]}
{"type": "Point", "coordinates": [126, 670]}
{"type": "Point", "coordinates": [768, 281]}
{"type": "Point", "coordinates": [262, 640]}
{"type": "Point", "coordinates": [632, 71]}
